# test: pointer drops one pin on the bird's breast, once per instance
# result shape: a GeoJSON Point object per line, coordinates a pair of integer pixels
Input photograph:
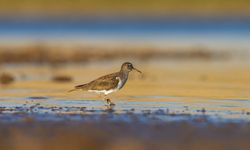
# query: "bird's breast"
{"type": "Point", "coordinates": [120, 83]}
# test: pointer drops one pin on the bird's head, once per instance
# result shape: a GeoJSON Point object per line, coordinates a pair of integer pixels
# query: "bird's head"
{"type": "Point", "coordinates": [127, 67]}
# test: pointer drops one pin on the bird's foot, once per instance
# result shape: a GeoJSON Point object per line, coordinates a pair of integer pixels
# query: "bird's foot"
{"type": "Point", "coordinates": [109, 102]}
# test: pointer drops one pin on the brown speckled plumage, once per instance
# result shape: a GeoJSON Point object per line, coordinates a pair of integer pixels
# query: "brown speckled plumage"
{"type": "Point", "coordinates": [108, 83]}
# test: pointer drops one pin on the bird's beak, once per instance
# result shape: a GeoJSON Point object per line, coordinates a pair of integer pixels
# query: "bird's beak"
{"type": "Point", "coordinates": [137, 70]}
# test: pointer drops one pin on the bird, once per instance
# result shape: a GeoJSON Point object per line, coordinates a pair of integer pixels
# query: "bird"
{"type": "Point", "coordinates": [108, 84]}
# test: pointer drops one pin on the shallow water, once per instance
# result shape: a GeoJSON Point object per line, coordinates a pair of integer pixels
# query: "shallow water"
{"type": "Point", "coordinates": [183, 96]}
{"type": "Point", "coordinates": [216, 111]}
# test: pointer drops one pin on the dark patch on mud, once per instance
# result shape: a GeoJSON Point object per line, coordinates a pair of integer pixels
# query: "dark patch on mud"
{"type": "Point", "coordinates": [62, 78]}
{"type": "Point", "coordinates": [37, 97]}
{"type": "Point", "coordinates": [6, 78]}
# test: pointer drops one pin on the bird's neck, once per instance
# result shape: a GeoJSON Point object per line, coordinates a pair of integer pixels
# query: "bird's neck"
{"type": "Point", "coordinates": [124, 74]}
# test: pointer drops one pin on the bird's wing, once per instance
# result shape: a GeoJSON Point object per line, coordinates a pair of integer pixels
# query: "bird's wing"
{"type": "Point", "coordinates": [106, 82]}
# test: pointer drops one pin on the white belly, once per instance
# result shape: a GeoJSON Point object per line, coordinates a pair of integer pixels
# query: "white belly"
{"type": "Point", "coordinates": [106, 92]}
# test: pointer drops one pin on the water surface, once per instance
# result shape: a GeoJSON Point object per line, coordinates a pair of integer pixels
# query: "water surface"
{"type": "Point", "coordinates": [168, 92]}
{"type": "Point", "coordinates": [218, 32]}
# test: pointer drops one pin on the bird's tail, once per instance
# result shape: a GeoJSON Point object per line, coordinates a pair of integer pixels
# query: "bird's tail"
{"type": "Point", "coordinates": [78, 87]}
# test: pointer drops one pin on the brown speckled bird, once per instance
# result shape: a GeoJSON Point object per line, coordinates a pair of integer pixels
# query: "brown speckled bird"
{"type": "Point", "coordinates": [109, 83]}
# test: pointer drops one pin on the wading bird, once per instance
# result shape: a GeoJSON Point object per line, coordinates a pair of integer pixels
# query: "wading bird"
{"type": "Point", "coordinates": [109, 83]}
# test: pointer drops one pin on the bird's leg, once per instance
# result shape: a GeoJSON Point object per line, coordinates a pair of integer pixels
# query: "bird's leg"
{"type": "Point", "coordinates": [108, 101]}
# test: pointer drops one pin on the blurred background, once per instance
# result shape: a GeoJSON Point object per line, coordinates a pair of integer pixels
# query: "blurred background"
{"type": "Point", "coordinates": [50, 40]}
{"type": "Point", "coordinates": [83, 30]}
{"type": "Point", "coordinates": [174, 41]}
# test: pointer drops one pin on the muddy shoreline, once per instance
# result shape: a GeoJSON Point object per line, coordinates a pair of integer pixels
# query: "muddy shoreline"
{"type": "Point", "coordinates": [177, 105]}
{"type": "Point", "coordinates": [105, 132]}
